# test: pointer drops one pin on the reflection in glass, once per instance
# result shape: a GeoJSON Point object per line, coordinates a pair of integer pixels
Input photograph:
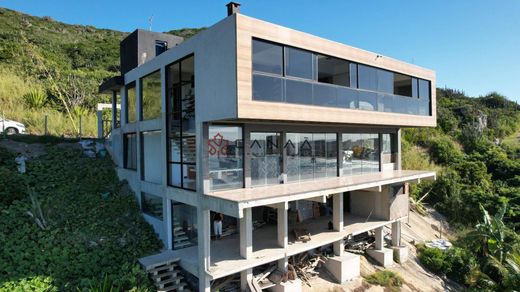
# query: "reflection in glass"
{"type": "Point", "coordinates": [298, 92]}
{"type": "Point", "coordinates": [152, 205]}
{"type": "Point", "coordinates": [131, 103]}
{"type": "Point", "coordinates": [325, 95]}
{"type": "Point", "coordinates": [225, 154]}
{"type": "Point", "coordinates": [267, 88]}
{"type": "Point", "coordinates": [184, 225]}
{"type": "Point", "coordinates": [266, 158]}
{"type": "Point", "coordinates": [299, 63]}
{"type": "Point", "coordinates": [367, 100]}
{"type": "Point", "coordinates": [367, 77]}
{"type": "Point", "coordinates": [267, 57]}
{"type": "Point", "coordinates": [151, 96]}
{"type": "Point", "coordinates": [360, 153]}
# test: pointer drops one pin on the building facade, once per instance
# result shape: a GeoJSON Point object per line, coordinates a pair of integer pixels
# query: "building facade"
{"type": "Point", "coordinates": [267, 126]}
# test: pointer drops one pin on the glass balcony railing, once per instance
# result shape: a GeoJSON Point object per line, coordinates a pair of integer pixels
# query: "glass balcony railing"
{"type": "Point", "coordinates": [288, 90]}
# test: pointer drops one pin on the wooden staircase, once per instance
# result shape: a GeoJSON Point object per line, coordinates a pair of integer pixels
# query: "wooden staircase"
{"type": "Point", "coordinates": [168, 277]}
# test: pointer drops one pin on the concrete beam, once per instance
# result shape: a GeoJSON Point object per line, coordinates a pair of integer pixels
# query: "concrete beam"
{"type": "Point", "coordinates": [377, 189]}
{"type": "Point", "coordinates": [282, 224]}
{"type": "Point", "coordinates": [320, 199]}
{"type": "Point", "coordinates": [246, 234]}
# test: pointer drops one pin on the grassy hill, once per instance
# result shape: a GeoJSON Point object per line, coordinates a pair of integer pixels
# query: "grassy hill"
{"type": "Point", "coordinates": [52, 68]}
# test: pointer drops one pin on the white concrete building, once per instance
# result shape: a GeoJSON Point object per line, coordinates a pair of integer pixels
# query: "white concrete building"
{"type": "Point", "coordinates": [262, 123]}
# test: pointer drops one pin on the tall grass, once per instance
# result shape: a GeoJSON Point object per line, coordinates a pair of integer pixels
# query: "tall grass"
{"type": "Point", "coordinates": [13, 88]}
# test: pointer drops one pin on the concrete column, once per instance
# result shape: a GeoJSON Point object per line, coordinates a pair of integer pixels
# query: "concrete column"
{"type": "Point", "coordinates": [337, 211]}
{"type": "Point", "coordinates": [283, 264]}
{"type": "Point", "coordinates": [204, 240]}
{"type": "Point", "coordinates": [204, 283]}
{"type": "Point", "coordinates": [245, 277]}
{"type": "Point", "coordinates": [114, 109]}
{"type": "Point", "coordinates": [398, 159]}
{"type": "Point", "coordinates": [246, 234]}
{"type": "Point", "coordinates": [282, 224]}
{"type": "Point", "coordinates": [396, 233]}
{"type": "Point", "coordinates": [379, 238]}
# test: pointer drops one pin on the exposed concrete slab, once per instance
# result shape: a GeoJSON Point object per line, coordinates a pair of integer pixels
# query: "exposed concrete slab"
{"type": "Point", "coordinates": [225, 253]}
{"type": "Point", "coordinates": [400, 254]}
{"type": "Point", "coordinates": [289, 286]}
{"type": "Point", "coordinates": [384, 256]}
{"type": "Point", "coordinates": [344, 268]}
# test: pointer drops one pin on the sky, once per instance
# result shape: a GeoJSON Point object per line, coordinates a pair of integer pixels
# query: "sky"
{"type": "Point", "coordinates": [473, 45]}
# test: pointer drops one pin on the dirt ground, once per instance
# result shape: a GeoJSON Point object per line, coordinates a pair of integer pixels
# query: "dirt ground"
{"type": "Point", "coordinates": [415, 230]}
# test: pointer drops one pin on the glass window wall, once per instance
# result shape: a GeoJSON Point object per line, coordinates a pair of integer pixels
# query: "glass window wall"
{"type": "Point", "coordinates": [333, 70]}
{"type": "Point", "coordinates": [266, 158]}
{"type": "Point", "coordinates": [182, 169]}
{"type": "Point", "coordinates": [131, 103]}
{"type": "Point", "coordinates": [299, 63]}
{"type": "Point", "coordinates": [360, 153]}
{"type": "Point", "coordinates": [184, 224]}
{"type": "Point", "coordinates": [151, 96]}
{"type": "Point", "coordinates": [225, 154]}
{"type": "Point", "coordinates": [310, 156]}
{"type": "Point", "coordinates": [130, 151]}
{"type": "Point", "coordinates": [152, 205]}
{"type": "Point", "coordinates": [267, 57]}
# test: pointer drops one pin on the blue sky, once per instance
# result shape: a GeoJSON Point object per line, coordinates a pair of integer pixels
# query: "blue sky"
{"type": "Point", "coordinates": [473, 45]}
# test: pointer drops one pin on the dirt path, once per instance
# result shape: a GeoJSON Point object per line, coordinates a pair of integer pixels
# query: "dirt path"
{"type": "Point", "coordinates": [417, 229]}
{"type": "Point", "coordinates": [29, 150]}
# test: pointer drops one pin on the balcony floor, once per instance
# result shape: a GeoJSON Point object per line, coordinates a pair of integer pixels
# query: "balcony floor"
{"type": "Point", "coordinates": [258, 196]}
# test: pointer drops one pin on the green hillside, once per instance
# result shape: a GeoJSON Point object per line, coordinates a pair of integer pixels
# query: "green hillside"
{"type": "Point", "coordinates": [52, 68]}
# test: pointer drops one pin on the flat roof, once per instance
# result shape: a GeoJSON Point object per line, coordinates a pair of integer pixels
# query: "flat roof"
{"type": "Point", "coordinates": [272, 194]}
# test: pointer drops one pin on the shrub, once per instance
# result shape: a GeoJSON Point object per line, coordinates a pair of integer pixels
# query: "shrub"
{"type": "Point", "coordinates": [385, 278]}
{"type": "Point", "coordinates": [35, 99]}
{"type": "Point", "coordinates": [444, 151]}
{"type": "Point", "coordinates": [435, 260]}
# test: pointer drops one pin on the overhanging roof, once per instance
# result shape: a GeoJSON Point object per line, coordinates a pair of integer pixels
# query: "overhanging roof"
{"type": "Point", "coordinates": [273, 194]}
{"type": "Point", "coordinates": [113, 84]}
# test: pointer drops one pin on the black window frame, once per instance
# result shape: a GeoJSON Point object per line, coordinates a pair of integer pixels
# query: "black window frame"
{"type": "Point", "coordinates": [125, 150]}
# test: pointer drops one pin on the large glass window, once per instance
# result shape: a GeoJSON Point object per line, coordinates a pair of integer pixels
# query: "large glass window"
{"type": "Point", "coordinates": [151, 158]}
{"type": "Point", "coordinates": [292, 75]}
{"type": "Point", "coordinates": [310, 155]}
{"type": "Point", "coordinates": [182, 170]}
{"type": "Point", "coordinates": [151, 96]}
{"type": "Point", "coordinates": [130, 151]}
{"type": "Point", "coordinates": [131, 103]}
{"type": "Point", "coordinates": [388, 151]}
{"type": "Point", "coordinates": [152, 205]}
{"type": "Point", "coordinates": [299, 63]}
{"type": "Point", "coordinates": [360, 153]}
{"type": "Point", "coordinates": [333, 70]}
{"type": "Point", "coordinates": [267, 88]}
{"type": "Point", "coordinates": [367, 77]}
{"type": "Point", "coordinates": [184, 225]}
{"type": "Point", "coordinates": [267, 57]}
{"type": "Point", "coordinates": [266, 158]}
{"type": "Point", "coordinates": [225, 155]}
{"type": "Point", "coordinates": [402, 85]}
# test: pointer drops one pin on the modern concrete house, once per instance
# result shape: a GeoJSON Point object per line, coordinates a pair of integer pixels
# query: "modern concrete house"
{"type": "Point", "coordinates": [275, 129]}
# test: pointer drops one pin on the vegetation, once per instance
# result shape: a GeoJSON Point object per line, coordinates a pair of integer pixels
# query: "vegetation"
{"type": "Point", "coordinates": [391, 280]}
{"type": "Point", "coordinates": [69, 224]}
{"type": "Point", "coordinates": [53, 69]}
{"type": "Point", "coordinates": [477, 174]}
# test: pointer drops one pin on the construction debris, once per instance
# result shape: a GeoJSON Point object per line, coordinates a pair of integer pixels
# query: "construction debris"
{"type": "Point", "coordinates": [302, 234]}
{"type": "Point", "coordinates": [303, 266]}
{"type": "Point", "coordinates": [359, 243]}
{"type": "Point", "coordinates": [227, 284]}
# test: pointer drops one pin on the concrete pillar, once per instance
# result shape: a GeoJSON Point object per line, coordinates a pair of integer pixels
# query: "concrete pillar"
{"type": "Point", "coordinates": [337, 211]}
{"type": "Point", "coordinates": [245, 277]}
{"type": "Point", "coordinates": [204, 240]}
{"type": "Point", "coordinates": [282, 224]}
{"type": "Point", "coordinates": [337, 222]}
{"type": "Point", "coordinates": [204, 283]}
{"type": "Point", "coordinates": [246, 234]}
{"type": "Point", "coordinates": [114, 109]}
{"type": "Point", "coordinates": [379, 238]}
{"type": "Point", "coordinates": [396, 233]}
{"type": "Point", "coordinates": [283, 264]}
